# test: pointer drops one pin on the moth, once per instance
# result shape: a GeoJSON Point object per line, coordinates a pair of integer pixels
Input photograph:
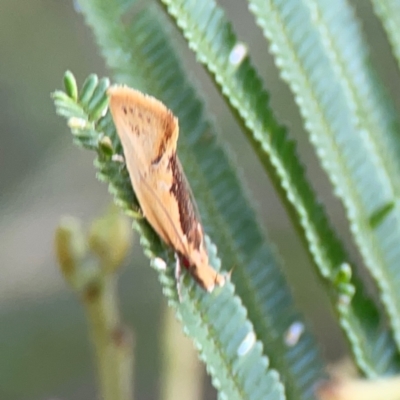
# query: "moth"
{"type": "Point", "coordinates": [149, 132]}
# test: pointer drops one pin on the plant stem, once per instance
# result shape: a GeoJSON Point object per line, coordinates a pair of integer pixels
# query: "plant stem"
{"type": "Point", "coordinates": [112, 342]}
{"type": "Point", "coordinates": [183, 374]}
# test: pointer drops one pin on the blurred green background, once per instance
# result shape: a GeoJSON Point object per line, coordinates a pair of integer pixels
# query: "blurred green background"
{"type": "Point", "coordinates": [44, 349]}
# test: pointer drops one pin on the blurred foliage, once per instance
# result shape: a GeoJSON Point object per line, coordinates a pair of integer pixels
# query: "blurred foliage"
{"type": "Point", "coordinates": [45, 352]}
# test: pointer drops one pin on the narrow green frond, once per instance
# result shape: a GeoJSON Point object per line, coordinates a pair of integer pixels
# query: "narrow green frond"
{"type": "Point", "coordinates": [141, 56]}
{"type": "Point", "coordinates": [210, 35]}
{"type": "Point", "coordinates": [360, 169]}
{"type": "Point", "coordinates": [217, 322]}
{"type": "Point", "coordinates": [225, 210]}
{"type": "Point", "coordinates": [372, 111]}
{"type": "Point", "coordinates": [388, 12]}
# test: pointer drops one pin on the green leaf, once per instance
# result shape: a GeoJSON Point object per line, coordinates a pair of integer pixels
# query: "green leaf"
{"type": "Point", "coordinates": [389, 13]}
{"type": "Point", "coordinates": [210, 35]}
{"type": "Point", "coordinates": [99, 101]}
{"type": "Point", "coordinates": [87, 90]}
{"type": "Point", "coordinates": [70, 85]}
{"type": "Point", "coordinates": [350, 126]}
{"type": "Point", "coordinates": [225, 212]}
{"type": "Point", "coordinates": [224, 208]}
{"type": "Point", "coordinates": [231, 351]}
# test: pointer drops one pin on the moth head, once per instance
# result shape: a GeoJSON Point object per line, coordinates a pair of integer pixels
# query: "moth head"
{"type": "Point", "coordinates": [143, 117]}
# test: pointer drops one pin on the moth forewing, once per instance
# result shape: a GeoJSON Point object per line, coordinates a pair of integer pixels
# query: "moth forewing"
{"type": "Point", "coordinates": [149, 132]}
{"type": "Point", "coordinates": [139, 119]}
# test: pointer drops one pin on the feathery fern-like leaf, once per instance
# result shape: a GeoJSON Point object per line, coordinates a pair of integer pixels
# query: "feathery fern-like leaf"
{"type": "Point", "coordinates": [344, 124]}
{"type": "Point", "coordinates": [230, 350]}
{"type": "Point", "coordinates": [225, 211]}
{"type": "Point", "coordinates": [210, 35]}
{"type": "Point", "coordinates": [227, 215]}
{"type": "Point", "coordinates": [106, 170]}
{"type": "Point", "coordinates": [389, 13]}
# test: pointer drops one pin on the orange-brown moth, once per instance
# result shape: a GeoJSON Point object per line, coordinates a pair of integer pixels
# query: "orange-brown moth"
{"type": "Point", "coordinates": [149, 133]}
